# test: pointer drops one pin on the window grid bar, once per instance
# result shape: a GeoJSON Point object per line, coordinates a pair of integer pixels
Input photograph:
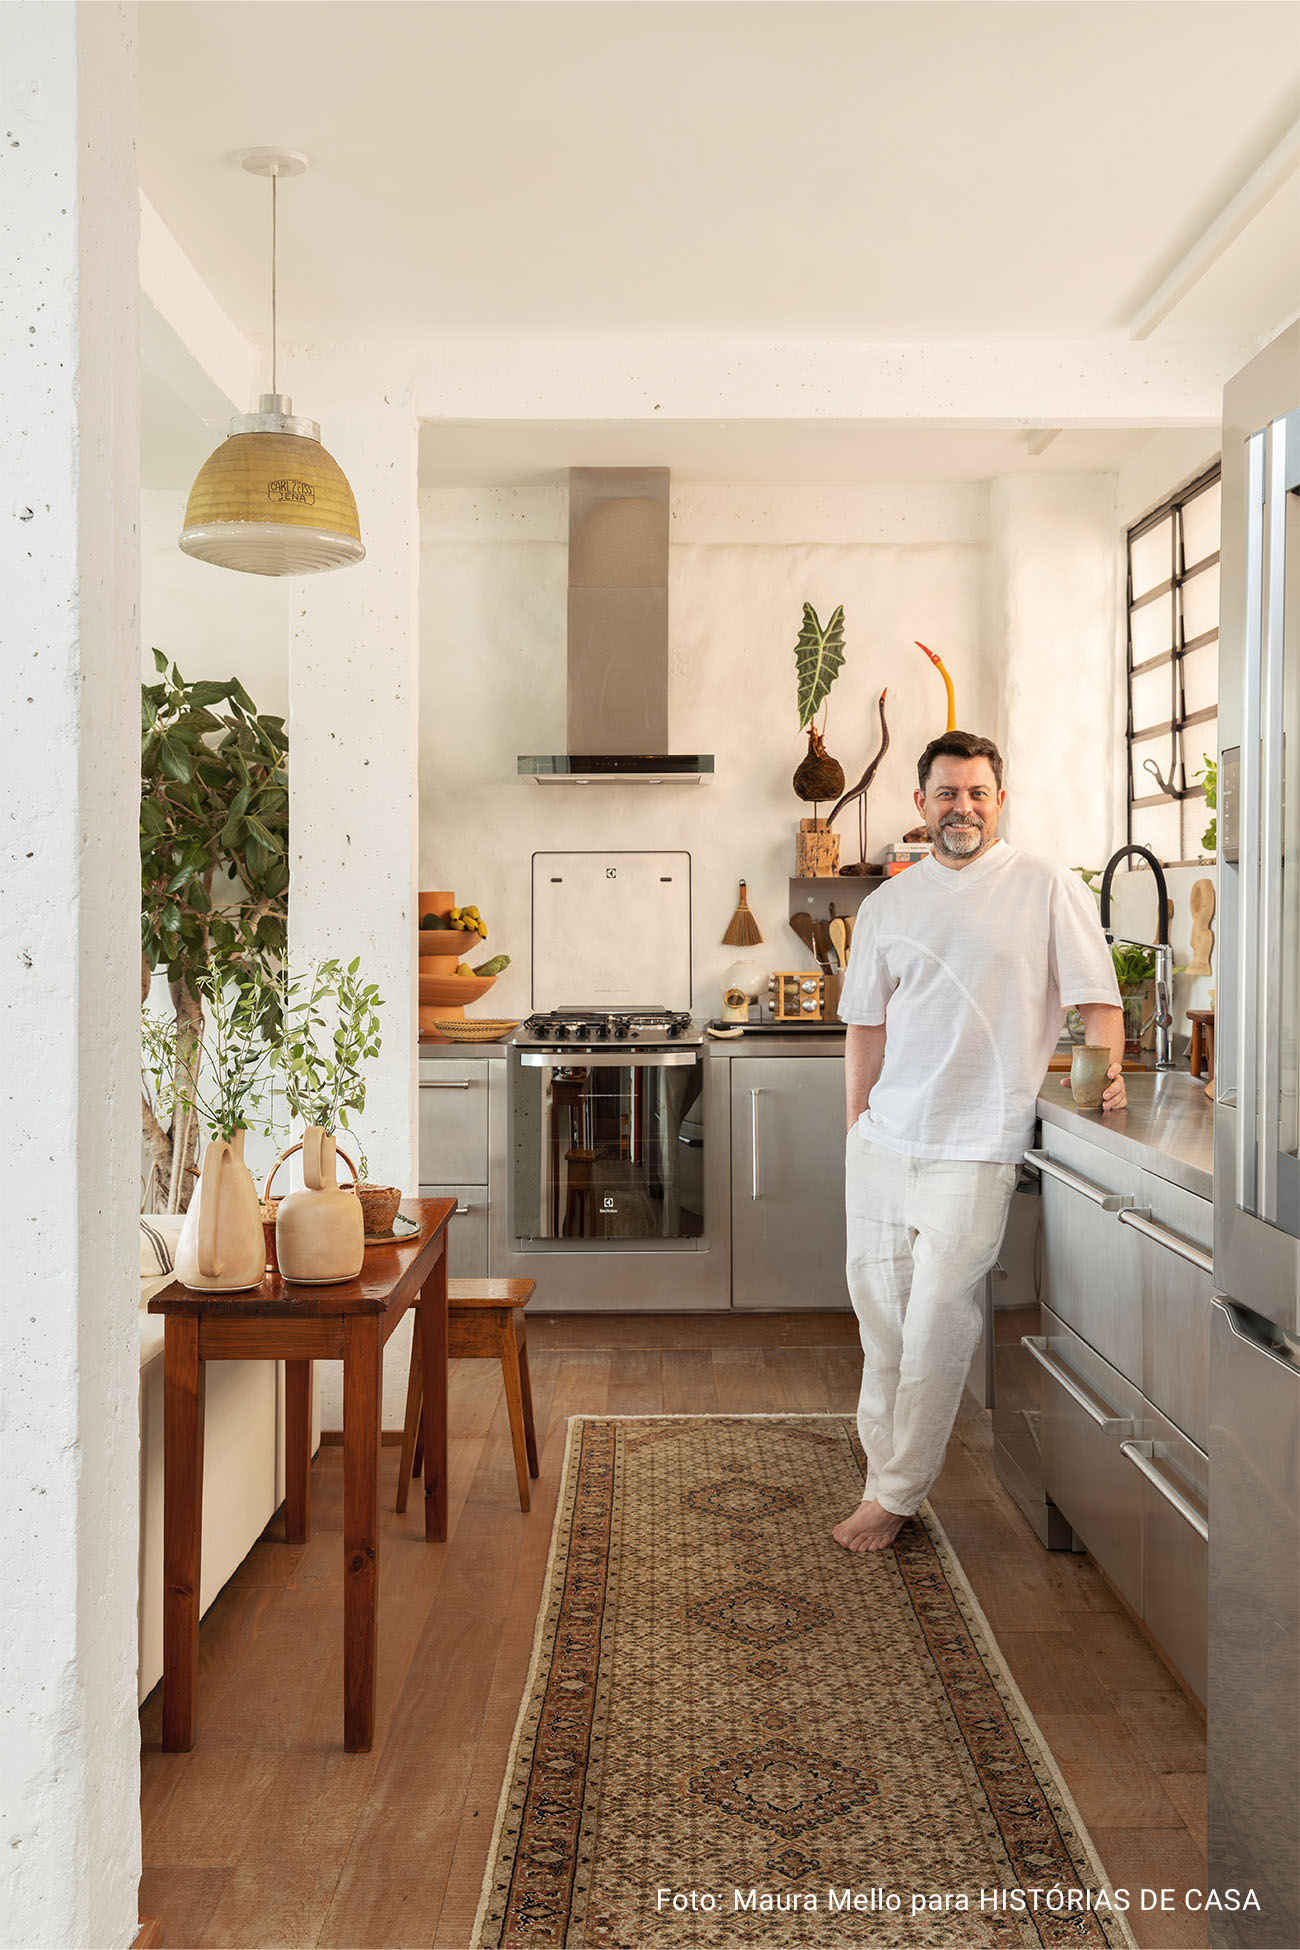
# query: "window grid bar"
{"type": "Point", "coordinates": [1180, 719]}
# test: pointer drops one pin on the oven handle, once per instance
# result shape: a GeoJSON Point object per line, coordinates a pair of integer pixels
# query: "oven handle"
{"type": "Point", "coordinates": [628, 1057]}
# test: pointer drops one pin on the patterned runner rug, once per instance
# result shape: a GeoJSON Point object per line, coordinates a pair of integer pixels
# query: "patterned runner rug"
{"type": "Point", "coordinates": [736, 1733]}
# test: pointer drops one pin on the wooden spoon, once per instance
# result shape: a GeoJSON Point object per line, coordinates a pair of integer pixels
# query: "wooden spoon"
{"type": "Point", "coordinates": [839, 941]}
{"type": "Point", "coordinates": [849, 922]}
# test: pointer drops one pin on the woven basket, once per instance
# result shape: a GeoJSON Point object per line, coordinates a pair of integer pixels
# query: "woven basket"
{"type": "Point", "coordinates": [463, 1031]}
{"type": "Point", "coordinates": [379, 1205]}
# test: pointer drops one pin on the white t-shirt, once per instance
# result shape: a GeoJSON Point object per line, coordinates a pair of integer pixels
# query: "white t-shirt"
{"type": "Point", "coordinates": [971, 970]}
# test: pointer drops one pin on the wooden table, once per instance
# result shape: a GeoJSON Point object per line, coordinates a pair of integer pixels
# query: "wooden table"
{"type": "Point", "coordinates": [297, 1325]}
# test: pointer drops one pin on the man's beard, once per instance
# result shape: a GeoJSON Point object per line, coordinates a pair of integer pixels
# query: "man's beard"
{"type": "Point", "coordinates": [960, 845]}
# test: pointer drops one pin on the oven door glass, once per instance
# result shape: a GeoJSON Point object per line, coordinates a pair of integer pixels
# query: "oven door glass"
{"type": "Point", "coordinates": [607, 1146]}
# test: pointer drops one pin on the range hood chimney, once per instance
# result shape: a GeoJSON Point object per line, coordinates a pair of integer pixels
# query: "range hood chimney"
{"type": "Point", "coordinates": [618, 635]}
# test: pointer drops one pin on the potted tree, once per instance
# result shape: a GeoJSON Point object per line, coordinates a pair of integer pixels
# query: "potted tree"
{"type": "Point", "coordinates": [221, 1248]}
{"type": "Point", "coordinates": [330, 1032]}
{"type": "Point", "coordinates": [214, 875]}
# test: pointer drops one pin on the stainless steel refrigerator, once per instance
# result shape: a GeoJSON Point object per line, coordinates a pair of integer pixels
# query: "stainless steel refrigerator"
{"type": "Point", "coordinates": [1253, 1701]}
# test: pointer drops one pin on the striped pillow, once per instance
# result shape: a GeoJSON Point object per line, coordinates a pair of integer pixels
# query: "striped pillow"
{"type": "Point", "coordinates": [157, 1247]}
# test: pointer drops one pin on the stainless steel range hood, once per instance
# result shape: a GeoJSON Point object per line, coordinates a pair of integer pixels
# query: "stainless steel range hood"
{"type": "Point", "coordinates": [618, 636]}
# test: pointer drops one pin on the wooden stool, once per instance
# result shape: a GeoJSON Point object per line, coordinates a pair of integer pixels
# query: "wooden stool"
{"type": "Point", "coordinates": [580, 1197]}
{"type": "Point", "coordinates": [1202, 1049]}
{"type": "Point", "coordinates": [484, 1317]}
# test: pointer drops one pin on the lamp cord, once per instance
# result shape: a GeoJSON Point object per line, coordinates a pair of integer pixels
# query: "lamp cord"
{"type": "Point", "coordinates": [274, 176]}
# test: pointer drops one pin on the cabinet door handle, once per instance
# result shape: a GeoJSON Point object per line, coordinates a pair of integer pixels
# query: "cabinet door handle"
{"type": "Point", "coordinates": [464, 1208]}
{"type": "Point", "coordinates": [1163, 1237]}
{"type": "Point", "coordinates": [438, 1084]}
{"type": "Point", "coordinates": [1108, 1201]}
{"type": "Point", "coordinates": [754, 1096]}
{"type": "Point", "coordinates": [1036, 1344]}
{"type": "Point", "coordinates": [1141, 1455]}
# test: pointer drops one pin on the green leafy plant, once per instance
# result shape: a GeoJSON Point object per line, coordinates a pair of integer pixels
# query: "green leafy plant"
{"type": "Point", "coordinates": [819, 657]}
{"type": "Point", "coordinates": [1210, 777]}
{"type": "Point", "coordinates": [1133, 964]}
{"type": "Point", "coordinates": [226, 1088]}
{"type": "Point", "coordinates": [331, 1030]}
{"type": "Point", "coordinates": [214, 872]}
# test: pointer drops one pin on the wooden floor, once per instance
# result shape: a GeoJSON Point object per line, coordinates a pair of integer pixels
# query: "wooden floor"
{"type": "Point", "coordinates": [268, 1833]}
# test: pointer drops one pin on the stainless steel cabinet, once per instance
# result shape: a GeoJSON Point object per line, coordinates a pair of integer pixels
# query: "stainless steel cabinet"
{"type": "Point", "coordinates": [454, 1121]}
{"type": "Point", "coordinates": [1092, 1276]}
{"type": "Point", "coordinates": [1175, 1244]}
{"type": "Point", "coordinates": [1123, 1382]}
{"type": "Point", "coordinates": [467, 1237]}
{"type": "Point", "coordinates": [454, 1154]}
{"type": "Point", "coordinates": [787, 1182]}
{"type": "Point", "coordinates": [1088, 1408]}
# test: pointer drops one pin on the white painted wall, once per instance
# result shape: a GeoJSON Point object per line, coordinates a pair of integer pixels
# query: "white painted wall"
{"type": "Point", "coordinates": [69, 978]}
{"type": "Point", "coordinates": [1019, 599]}
{"type": "Point", "coordinates": [211, 621]}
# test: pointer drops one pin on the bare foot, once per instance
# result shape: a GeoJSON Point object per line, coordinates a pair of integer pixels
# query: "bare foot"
{"type": "Point", "coordinates": [870, 1528]}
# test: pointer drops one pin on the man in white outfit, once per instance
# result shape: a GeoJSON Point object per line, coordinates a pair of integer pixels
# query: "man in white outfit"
{"type": "Point", "coordinates": [961, 972]}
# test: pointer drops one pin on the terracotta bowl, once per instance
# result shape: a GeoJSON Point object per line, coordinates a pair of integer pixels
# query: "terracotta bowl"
{"type": "Point", "coordinates": [450, 990]}
{"type": "Point", "coordinates": [440, 944]}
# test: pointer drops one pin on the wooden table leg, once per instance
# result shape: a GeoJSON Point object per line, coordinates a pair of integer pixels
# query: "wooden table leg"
{"type": "Point", "coordinates": [433, 1415]}
{"type": "Point", "coordinates": [361, 1402]}
{"type": "Point", "coordinates": [183, 1393]}
{"type": "Point", "coordinates": [411, 1421]}
{"type": "Point", "coordinates": [297, 1451]}
{"type": "Point", "coordinates": [509, 1348]}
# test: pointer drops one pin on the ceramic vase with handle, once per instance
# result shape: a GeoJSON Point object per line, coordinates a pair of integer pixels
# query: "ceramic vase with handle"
{"type": "Point", "coordinates": [320, 1234]}
{"type": "Point", "coordinates": [222, 1248]}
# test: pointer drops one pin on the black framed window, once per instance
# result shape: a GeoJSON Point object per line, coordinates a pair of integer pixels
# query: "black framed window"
{"type": "Point", "coordinates": [1173, 670]}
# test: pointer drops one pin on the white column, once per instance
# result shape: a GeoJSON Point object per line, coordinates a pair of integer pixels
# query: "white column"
{"type": "Point", "coordinates": [353, 770]}
{"type": "Point", "coordinates": [69, 976]}
{"type": "Point", "coordinates": [1052, 617]}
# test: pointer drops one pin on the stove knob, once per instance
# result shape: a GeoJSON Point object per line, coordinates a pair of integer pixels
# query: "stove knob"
{"type": "Point", "coordinates": [560, 1031]}
{"type": "Point", "coordinates": [621, 1030]}
{"type": "Point", "coordinates": [602, 1029]}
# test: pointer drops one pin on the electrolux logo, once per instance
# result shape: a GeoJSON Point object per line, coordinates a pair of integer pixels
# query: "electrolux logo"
{"type": "Point", "coordinates": [301, 492]}
{"type": "Point", "coordinates": [607, 1203]}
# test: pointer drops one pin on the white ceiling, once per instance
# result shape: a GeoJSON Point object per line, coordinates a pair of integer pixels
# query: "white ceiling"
{"type": "Point", "coordinates": [917, 170]}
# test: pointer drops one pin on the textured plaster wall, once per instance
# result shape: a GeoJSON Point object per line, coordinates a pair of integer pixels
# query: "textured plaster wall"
{"type": "Point", "coordinates": [1018, 597]}
{"type": "Point", "coordinates": [353, 691]}
{"type": "Point", "coordinates": [69, 974]}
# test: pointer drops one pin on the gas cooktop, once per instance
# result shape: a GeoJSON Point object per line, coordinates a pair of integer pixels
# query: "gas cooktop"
{"type": "Point", "coordinates": [647, 1026]}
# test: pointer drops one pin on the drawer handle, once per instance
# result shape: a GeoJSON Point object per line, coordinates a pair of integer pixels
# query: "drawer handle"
{"type": "Point", "coordinates": [438, 1084]}
{"type": "Point", "coordinates": [1036, 1345]}
{"type": "Point", "coordinates": [1141, 1222]}
{"type": "Point", "coordinates": [1108, 1201]}
{"type": "Point", "coordinates": [464, 1208]}
{"type": "Point", "coordinates": [1141, 1455]}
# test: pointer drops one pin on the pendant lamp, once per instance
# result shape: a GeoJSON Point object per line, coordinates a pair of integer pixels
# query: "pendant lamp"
{"type": "Point", "coordinates": [270, 501]}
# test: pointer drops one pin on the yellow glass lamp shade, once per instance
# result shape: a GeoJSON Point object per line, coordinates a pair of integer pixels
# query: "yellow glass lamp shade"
{"type": "Point", "coordinates": [270, 501]}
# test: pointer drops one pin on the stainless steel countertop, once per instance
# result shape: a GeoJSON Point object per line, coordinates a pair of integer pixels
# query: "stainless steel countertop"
{"type": "Point", "coordinates": [427, 1050]}
{"type": "Point", "coordinates": [796, 1042]}
{"type": "Point", "coordinates": [1168, 1127]}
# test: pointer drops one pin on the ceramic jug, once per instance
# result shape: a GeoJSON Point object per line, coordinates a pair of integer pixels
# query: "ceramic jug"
{"type": "Point", "coordinates": [222, 1248]}
{"type": "Point", "coordinates": [320, 1234]}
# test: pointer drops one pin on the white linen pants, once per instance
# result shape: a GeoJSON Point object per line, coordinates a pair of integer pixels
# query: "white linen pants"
{"type": "Point", "coordinates": [922, 1234]}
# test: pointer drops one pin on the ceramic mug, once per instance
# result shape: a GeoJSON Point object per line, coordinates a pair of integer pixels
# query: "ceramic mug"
{"type": "Point", "coordinates": [1088, 1066]}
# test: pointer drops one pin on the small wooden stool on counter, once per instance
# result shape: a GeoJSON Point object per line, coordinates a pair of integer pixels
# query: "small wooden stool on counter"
{"type": "Point", "coordinates": [484, 1317]}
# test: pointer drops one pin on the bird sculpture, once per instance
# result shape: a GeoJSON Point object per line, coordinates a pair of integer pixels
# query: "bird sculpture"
{"type": "Point", "coordinates": [860, 790]}
{"type": "Point", "coordinates": [947, 680]}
